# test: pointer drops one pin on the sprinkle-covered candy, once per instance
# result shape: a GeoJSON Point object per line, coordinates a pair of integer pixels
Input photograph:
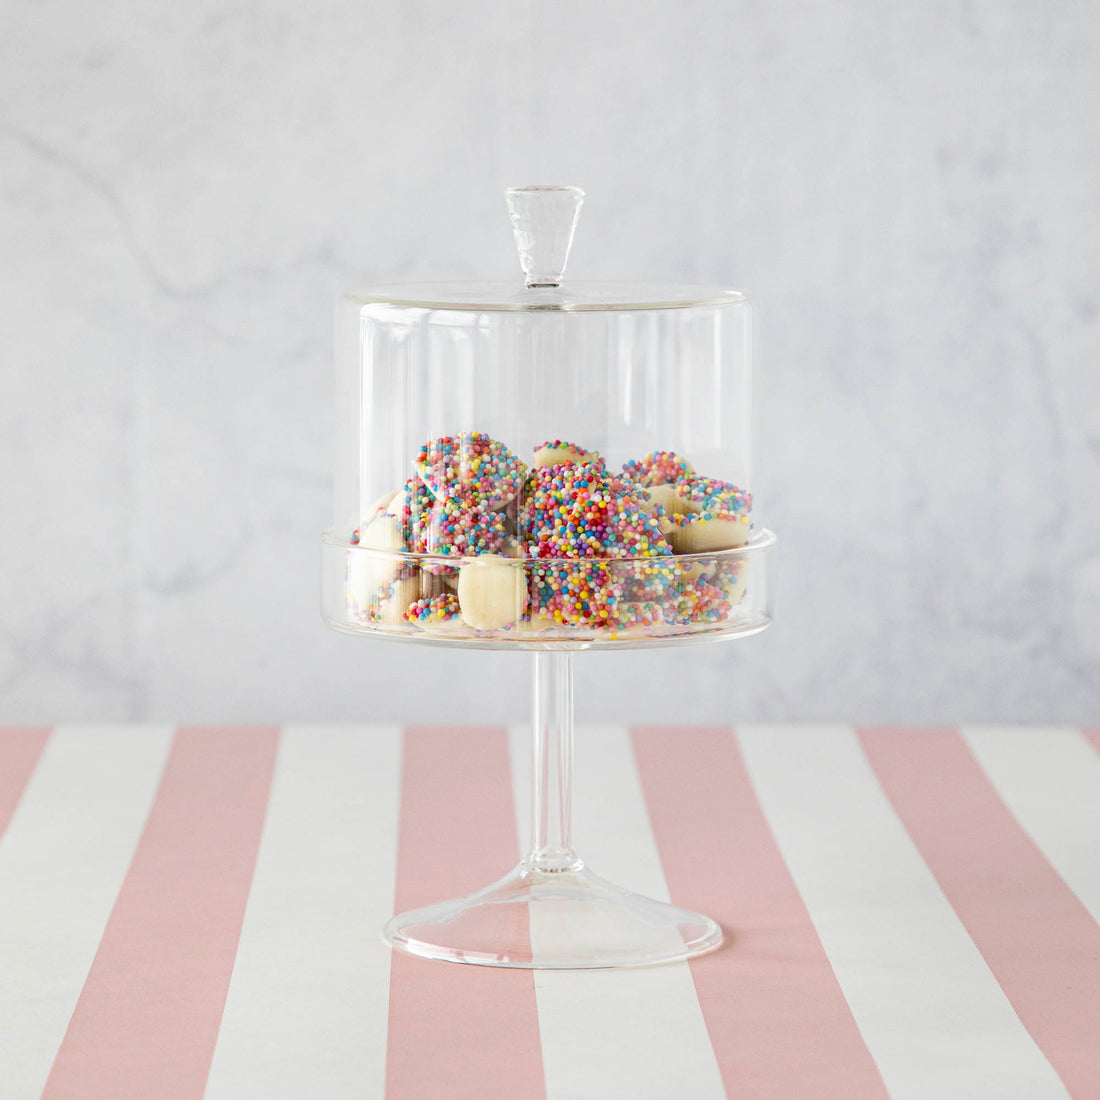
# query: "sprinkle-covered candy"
{"type": "Point", "coordinates": [718, 516]}
{"type": "Point", "coordinates": [577, 511]}
{"type": "Point", "coordinates": [582, 594]}
{"type": "Point", "coordinates": [559, 452]}
{"type": "Point", "coordinates": [434, 610]}
{"type": "Point", "coordinates": [471, 467]}
{"type": "Point", "coordinates": [658, 468]}
{"type": "Point", "coordinates": [454, 528]}
{"type": "Point", "coordinates": [709, 498]}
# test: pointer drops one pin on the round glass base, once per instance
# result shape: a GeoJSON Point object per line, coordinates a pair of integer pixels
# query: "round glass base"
{"type": "Point", "coordinates": [553, 920]}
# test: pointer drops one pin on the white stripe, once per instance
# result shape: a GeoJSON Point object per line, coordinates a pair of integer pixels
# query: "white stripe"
{"type": "Point", "coordinates": [62, 862]}
{"type": "Point", "coordinates": [307, 1008]}
{"type": "Point", "coordinates": [1050, 780]}
{"type": "Point", "coordinates": [932, 1014]}
{"type": "Point", "coordinates": [595, 1040]}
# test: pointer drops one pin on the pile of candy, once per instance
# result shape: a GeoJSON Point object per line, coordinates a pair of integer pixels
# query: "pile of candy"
{"type": "Point", "coordinates": [476, 541]}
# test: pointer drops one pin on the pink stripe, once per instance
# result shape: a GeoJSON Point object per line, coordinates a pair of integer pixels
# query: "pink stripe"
{"type": "Point", "coordinates": [458, 1031]}
{"type": "Point", "coordinates": [149, 1013]}
{"type": "Point", "coordinates": [20, 748]}
{"type": "Point", "coordinates": [1094, 737]}
{"type": "Point", "coordinates": [1037, 938]}
{"type": "Point", "coordinates": [777, 1018]}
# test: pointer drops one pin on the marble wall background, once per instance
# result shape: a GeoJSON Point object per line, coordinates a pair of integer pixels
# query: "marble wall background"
{"type": "Point", "coordinates": [910, 188]}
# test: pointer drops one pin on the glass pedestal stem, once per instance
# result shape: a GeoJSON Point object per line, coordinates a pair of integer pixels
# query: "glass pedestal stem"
{"type": "Point", "coordinates": [551, 912]}
{"type": "Point", "coordinates": [552, 778]}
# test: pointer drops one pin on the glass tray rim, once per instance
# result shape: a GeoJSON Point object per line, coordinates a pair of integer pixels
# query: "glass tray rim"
{"type": "Point", "coordinates": [762, 542]}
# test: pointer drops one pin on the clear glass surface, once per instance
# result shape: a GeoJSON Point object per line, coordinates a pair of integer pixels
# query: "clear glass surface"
{"type": "Point", "coordinates": [550, 465]}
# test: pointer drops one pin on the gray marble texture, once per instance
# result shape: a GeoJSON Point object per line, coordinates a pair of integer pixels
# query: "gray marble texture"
{"type": "Point", "coordinates": [911, 189]}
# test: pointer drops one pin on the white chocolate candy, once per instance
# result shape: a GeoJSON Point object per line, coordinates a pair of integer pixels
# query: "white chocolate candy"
{"type": "Point", "coordinates": [670, 500]}
{"type": "Point", "coordinates": [395, 506]}
{"type": "Point", "coordinates": [637, 618]}
{"type": "Point", "coordinates": [691, 571]}
{"type": "Point", "coordinates": [665, 502]}
{"type": "Point", "coordinates": [386, 603]}
{"type": "Point", "coordinates": [659, 468]}
{"type": "Point", "coordinates": [716, 517]}
{"type": "Point", "coordinates": [700, 536]}
{"type": "Point", "coordinates": [368, 572]}
{"type": "Point", "coordinates": [492, 592]}
{"type": "Point", "coordinates": [361, 582]}
{"type": "Point", "coordinates": [470, 465]}
{"type": "Point", "coordinates": [548, 455]}
{"type": "Point", "coordinates": [395, 600]}
{"type": "Point", "coordinates": [381, 504]}
{"type": "Point", "coordinates": [382, 533]}
{"type": "Point", "coordinates": [437, 614]}
{"type": "Point", "coordinates": [735, 581]}
{"type": "Point", "coordinates": [729, 575]}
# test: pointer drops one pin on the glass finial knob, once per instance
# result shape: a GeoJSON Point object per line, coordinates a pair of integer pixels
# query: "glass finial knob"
{"type": "Point", "coordinates": [543, 219]}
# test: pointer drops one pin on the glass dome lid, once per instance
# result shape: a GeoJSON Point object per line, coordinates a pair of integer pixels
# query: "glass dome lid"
{"type": "Point", "coordinates": [543, 219]}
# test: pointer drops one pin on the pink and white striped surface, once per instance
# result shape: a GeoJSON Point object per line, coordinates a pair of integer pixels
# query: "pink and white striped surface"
{"type": "Point", "coordinates": [194, 912]}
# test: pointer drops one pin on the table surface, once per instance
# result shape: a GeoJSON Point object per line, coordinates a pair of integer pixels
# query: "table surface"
{"type": "Point", "coordinates": [189, 912]}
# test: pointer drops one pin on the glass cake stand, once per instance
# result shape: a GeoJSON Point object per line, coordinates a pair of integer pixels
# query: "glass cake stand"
{"type": "Point", "coordinates": [459, 558]}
